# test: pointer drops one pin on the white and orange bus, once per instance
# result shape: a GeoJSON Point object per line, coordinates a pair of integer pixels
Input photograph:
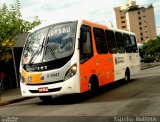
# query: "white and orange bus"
{"type": "Point", "coordinates": [75, 57]}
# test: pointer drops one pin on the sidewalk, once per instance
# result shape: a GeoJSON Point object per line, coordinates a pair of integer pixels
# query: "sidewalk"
{"type": "Point", "coordinates": [14, 95]}
{"type": "Point", "coordinates": [149, 65]}
{"type": "Point", "coordinates": [11, 96]}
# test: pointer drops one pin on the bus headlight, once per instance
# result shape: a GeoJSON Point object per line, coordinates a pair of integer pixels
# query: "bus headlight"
{"type": "Point", "coordinates": [71, 72]}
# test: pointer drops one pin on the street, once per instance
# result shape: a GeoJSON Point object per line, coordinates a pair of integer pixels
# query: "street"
{"type": "Point", "coordinates": [139, 97]}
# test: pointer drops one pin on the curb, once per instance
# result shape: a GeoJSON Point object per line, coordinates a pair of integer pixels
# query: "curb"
{"type": "Point", "coordinates": [149, 65]}
{"type": "Point", "coordinates": [14, 101]}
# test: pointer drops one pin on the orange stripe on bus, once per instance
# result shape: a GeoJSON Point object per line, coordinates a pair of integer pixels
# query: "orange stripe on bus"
{"type": "Point", "coordinates": [100, 65]}
{"type": "Point", "coordinates": [31, 77]}
{"type": "Point", "coordinates": [94, 24]}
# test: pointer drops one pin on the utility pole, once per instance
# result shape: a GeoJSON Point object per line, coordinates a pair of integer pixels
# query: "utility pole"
{"type": "Point", "coordinates": [14, 63]}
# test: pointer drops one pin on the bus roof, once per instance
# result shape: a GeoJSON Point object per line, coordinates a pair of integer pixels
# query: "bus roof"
{"type": "Point", "coordinates": [120, 30]}
{"type": "Point", "coordinates": [88, 23]}
{"type": "Point", "coordinates": [93, 24]}
{"type": "Point", "coordinates": [106, 27]}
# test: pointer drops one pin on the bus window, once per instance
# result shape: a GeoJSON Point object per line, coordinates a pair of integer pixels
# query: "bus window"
{"type": "Point", "coordinates": [127, 43]}
{"type": "Point", "coordinates": [101, 44]}
{"type": "Point", "coordinates": [112, 48]}
{"type": "Point", "coordinates": [86, 50]}
{"type": "Point", "coordinates": [119, 41]}
{"type": "Point", "coordinates": [134, 44]}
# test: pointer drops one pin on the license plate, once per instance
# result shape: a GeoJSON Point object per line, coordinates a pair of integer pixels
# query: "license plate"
{"type": "Point", "coordinates": [43, 89]}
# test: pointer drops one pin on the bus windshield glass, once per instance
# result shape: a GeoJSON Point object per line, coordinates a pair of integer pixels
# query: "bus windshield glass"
{"type": "Point", "coordinates": [50, 43]}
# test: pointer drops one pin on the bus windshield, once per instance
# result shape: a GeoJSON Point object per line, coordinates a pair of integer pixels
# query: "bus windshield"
{"type": "Point", "coordinates": [50, 43]}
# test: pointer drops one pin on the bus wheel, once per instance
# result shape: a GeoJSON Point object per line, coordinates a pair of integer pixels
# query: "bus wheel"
{"type": "Point", "coordinates": [46, 99]}
{"type": "Point", "coordinates": [93, 86]}
{"type": "Point", "coordinates": [127, 76]}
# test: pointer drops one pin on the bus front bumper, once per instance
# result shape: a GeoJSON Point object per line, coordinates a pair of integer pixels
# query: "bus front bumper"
{"type": "Point", "coordinates": [69, 86]}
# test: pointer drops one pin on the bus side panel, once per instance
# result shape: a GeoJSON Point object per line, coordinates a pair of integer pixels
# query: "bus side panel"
{"type": "Point", "coordinates": [105, 68]}
{"type": "Point", "coordinates": [86, 70]}
{"type": "Point", "coordinates": [124, 61]}
{"type": "Point", "coordinates": [121, 62]}
{"type": "Point", "coordinates": [135, 63]}
{"type": "Point", "coordinates": [100, 65]}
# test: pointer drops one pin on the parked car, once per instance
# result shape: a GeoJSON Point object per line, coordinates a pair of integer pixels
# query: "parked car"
{"type": "Point", "coordinates": [147, 60]}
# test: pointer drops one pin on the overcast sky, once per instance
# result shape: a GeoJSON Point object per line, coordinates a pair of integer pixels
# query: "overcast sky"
{"type": "Point", "coordinates": [100, 11]}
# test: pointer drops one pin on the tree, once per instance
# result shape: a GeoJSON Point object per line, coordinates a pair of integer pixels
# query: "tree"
{"type": "Point", "coordinates": [151, 48]}
{"type": "Point", "coordinates": [11, 25]}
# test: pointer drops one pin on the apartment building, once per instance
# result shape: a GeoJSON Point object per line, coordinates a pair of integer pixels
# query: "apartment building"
{"type": "Point", "coordinates": [138, 19]}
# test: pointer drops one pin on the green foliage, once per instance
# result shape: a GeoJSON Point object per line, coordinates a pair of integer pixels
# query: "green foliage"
{"type": "Point", "coordinates": [12, 24]}
{"type": "Point", "coordinates": [152, 47]}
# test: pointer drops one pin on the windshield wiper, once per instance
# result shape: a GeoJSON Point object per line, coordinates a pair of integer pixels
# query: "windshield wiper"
{"type": "Point", "coordinates": [37, 52]}
{"type": "Point", "coordinates": [52, 52]}
{"type": "Point", "coordinates": [50, 49]}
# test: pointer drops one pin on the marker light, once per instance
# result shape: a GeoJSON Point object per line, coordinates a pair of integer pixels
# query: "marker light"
{"type": "Point", "coordinates": [22, 79]}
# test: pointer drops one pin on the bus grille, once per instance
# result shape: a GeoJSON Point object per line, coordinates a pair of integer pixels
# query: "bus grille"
{"type": "Point", "coordinates": [49, 90]}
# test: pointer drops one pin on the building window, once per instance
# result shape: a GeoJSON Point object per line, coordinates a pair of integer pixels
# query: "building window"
{"type": "Point", "coordinates": [141, 34]}
{"type": "Point", "coordinates": [140, 28]}
{"type": "Point", "coordinates": [123, 26]}
{"type": "Point", "coordinates": [122, 21]}
{"type": "Point", "coordinates": [122, 17]}
{"type": "Point", "coordinates": [139, 12]}
{"type": "Point", "coordinates": [139, 18]}
{"type": "Point", "coordinates": [141, 38]}
{"type": "Point", "coordinates": [140, 23]}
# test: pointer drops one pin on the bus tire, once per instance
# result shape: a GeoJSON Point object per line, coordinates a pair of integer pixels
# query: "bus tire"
{"type": "Point", "coordinates": [127, 76]}
{"type": "Point", "coordinates": [93, 86]}
{"type": "Point", "coordinates": [46, 99]}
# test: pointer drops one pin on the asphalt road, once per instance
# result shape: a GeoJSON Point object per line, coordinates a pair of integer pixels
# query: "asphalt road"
{"type": "Point", "coordinates": [139, 97]}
